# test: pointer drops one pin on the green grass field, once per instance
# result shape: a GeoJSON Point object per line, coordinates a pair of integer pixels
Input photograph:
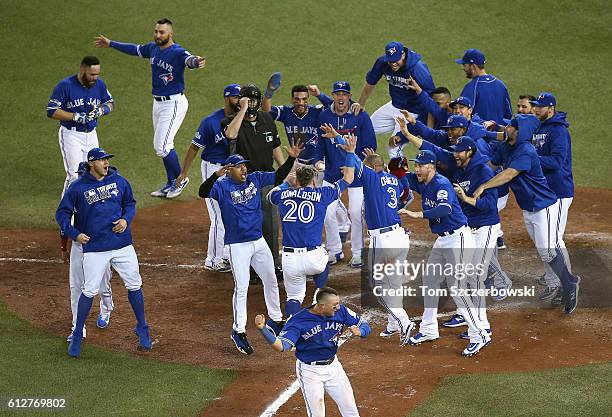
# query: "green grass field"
{"type": "Point", "coordinates": [582, 391]}
{"type": "Point", "coordinates": [101, 383]}
{"type": "Point", "coordinates": [561, 46]}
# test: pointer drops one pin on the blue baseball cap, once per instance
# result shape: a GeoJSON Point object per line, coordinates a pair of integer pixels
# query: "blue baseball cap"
{"type": "Point", "coordinates": [96, 154]}
{"type": "Point", "coordinates": [544, 99]}
{"type": "Point", "coordinates": [456, 120]}
{"type": "Point", "coordinates": [341, 86]}
{"type": "Point", "coordinates": [393, 51]}
{"type": "Point", "coordinates": [472, 56]}
{"type": "Point", "coordinates": [425, 157]}
{"type": "Point", "coordinates": [82, 167]}
{"type": "Point", "coordinates": [231, 90]}
{"type": "Point", "coordinates": [235, 159]}
{"type": "Point", "coordinates": [464, 143]}
{"type": "Point", "coordinates": [464, 101]}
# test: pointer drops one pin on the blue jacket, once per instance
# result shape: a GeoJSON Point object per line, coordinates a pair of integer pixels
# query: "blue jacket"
{"type": "Point", "coordinates": [530, 188]}
{"type": "Point", "coordinates": [95, 206]}
{"type": "Point", "coordinates": [440, 137]}
{"type": "Point", "coordinates": [490, 98]}
{"type": "Point", "coordinates": [554, 146]}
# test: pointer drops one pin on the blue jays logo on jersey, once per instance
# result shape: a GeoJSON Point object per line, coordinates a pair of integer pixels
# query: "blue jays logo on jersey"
{"type": "Point", "coordinates": [338, 328]}
{"type": "Point", "coordinates": [242, 196]}
{"type": "Point", "coordinates": [465, 185]}
{"type": "Point", "coordinates": [101, 193]}
{"type": "Point", "coordinates": [430, 203]}
{"type": "Point", "coordinates": [397, 81]}
{"type": "Point", "coordinates": [166, 78]}
{"type": "Point", "coordinates": [539, 140]}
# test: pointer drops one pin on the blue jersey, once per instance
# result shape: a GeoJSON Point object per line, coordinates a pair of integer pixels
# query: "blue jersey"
{"type": "Point", "coordinates": [305, 127]}
{"type": "Point", "coordinates": [240, 204]}
{"type": "Point", "coordinates": [335, 157]}
{"type": "Point", "coordinates": [490, 97]}
{"type": "Point", "coordinates": [440, 137]}
{"type": "Point", "coordinates": [403, 97]}
{"type": "Point", "coordinates": [316, 337]}
{"type": "Point", "coordinates": [95, 206]}
{"type": "Point", "coordinates": [469, 179]}
{"type": "Point", "coordinates": [210, 138]}
{"type": "Point", "coordinates": [381, 193]}
{"type": "Point", "coordinates": [439, 192]}
{"type": "Point", "coordinates": [554, 146]}
{"type": "Point", "coordinates": [302, 212]}
{"type": "Point", "coordinates": [439, 114]}
{"type": "Point", "coordinates": [167, 65]}
{"type": "Point", "coordinates": [530, 188]}
{"type": "Point", "coordinates": [72, 96]}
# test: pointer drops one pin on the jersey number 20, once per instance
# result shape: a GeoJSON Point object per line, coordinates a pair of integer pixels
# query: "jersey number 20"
{"type": "Point", "coordinates": [305, 211]}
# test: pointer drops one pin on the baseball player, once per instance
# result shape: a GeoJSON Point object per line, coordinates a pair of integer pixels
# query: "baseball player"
{"type": "Point", "coordinates": [454, 247]}
{"type": "Point", "coordinates": [210, 139]}
{"type": "Point", "coordinates": [398, 65]}
{"type": "Point", "coordinates": [389, 243]}
{"type": "Point", "coordinates": [523, 172]}
{"type": "Point", "coordinates": [76, 280]}
{"type": "Point", "coordinates": [301, 121]}
{"type": "Point", "coordinates": [553, 143]}
{"type": "Point", "coordinates": [78, 102]}
{"type": "Point", "coordinates": [314, 333]}
{"type": "Point", "coordinates": [524, 105]}
{"type": "Point", "coordinates": [238, 195]}
{"type": "Point", "coordinates": [168, 62]}
{"type": "Point", "coordinates": [344, 121]}
{"type": "Point", "coordinates": [104, 207]}
{"type": "Point", "coordinates": [487, 92]}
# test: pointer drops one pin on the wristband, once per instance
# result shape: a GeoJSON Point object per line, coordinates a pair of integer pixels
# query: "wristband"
{"type": "Point", "coordinates": [339, 140]}
{"type": "Point", "coordinates": [105, 109]}
{"type": "Point", "coordinates": [268, 335]}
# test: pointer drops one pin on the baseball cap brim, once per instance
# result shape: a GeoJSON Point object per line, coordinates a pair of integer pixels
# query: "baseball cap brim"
{"type": "Point", "coordinates": [460, 61]}
{"type": "Point", "coordinates": [105, 156]}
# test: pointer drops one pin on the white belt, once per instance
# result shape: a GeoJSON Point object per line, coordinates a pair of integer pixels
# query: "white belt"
{"type": "Point", "coordinates": [383, 230]}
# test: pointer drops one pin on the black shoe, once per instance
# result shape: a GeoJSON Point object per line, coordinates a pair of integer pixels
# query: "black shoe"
{"type": "Point", "coordinates": [242, 343]}
{"type": "Point", "coordinates": [571, 298]}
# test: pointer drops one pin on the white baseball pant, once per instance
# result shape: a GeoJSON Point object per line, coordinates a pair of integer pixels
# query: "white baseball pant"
{"type": "Point", "coordinates": [257, 254]}
{"type": "Point", "coordinates": [297, 265]}
{"type": "Point", "coordinates": [501, 204]}
{"type": "Point", "coordinates": [334, 244]}
{"type": "Point", "coordinates": [316, 380]}
{"type": "Point", "coordinates": [383, 121]}
{"type": "Point", "coordinates": [167, 118]}
{"type": "Point", "coordinates": [454, 250]}
{"type": "Point", "coordinates": [123, 260]}
{"type": "Point", "coordinates": [216, 251]}
{"type": "Point", "coordinates": [76, 278]}
{"type": "Point", "coordinates": [391, 248]}
{"type": "Point", "coordinates": [561, 222]}
{"type": "Point", "coordinates": [74, 147]}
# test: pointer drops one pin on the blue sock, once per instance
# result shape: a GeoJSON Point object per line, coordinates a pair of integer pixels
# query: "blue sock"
{"type": "Point", "coordinates": [560, 268]}
{"type": "Point", "coordinates": [172, 165]}
{"type": "Point", "coordinates": [83, 309]}
{"type": "Point", "coordinates": [137, 301]}
{"type": "Point", "coordinates": [321, 279]}
{"type": "Point", "coordinates": [292, 307]}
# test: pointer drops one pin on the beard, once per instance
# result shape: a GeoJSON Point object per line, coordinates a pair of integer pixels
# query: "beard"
{"type": "Point", "coordinates": [162, 42]}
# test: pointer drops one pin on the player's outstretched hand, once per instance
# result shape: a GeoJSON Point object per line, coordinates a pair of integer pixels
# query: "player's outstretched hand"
{"type": "Point", "coordinates": [351, 143]}
{"type": "Point", "coordinates": [260, 321]}
{"type": "Point", "coordinates": [356, 108]}
{"type": "Point", "coordinates": [297, 146]}
{"type": "Point", "coordinates": [409, 117]}
{"type": "Point", "coordinates": [119, 226]}
{"type": "Point", "coordinates": [200, 61]}
{"type": "Point", "coordinates": [82, 238]}
{"type": "Point", "coordinates": [222, 171]}
{"type": "Point", "coordinates": [101, 41]}
{"type": "Point", "coordinates": [313, 90]}
{"type": "Point", "coordinates": [459, 191]}
{"type": "Point", "coordinates": [414, 86]}
{"type": "Point", "coordinates": [368, 151]}
{"type": "Point", "coordinates": [328, 131]}
{"type": "Point", "coordinates": [411, 214]}
{"type": "Point", "coordinates": [479, 192]}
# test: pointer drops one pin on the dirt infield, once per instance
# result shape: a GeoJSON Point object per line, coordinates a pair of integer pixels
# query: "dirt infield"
{"type": "Point", "coordinates": [189, 312]}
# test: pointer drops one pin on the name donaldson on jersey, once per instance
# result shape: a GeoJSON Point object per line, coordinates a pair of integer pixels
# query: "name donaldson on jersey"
{"type": "Point", "coordinates": [303, 194]}
{"type": "Point", "coordinates": [424, 291]}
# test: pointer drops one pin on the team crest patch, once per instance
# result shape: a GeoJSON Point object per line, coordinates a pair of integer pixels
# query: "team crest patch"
{"type": "Point", "coordinates": [391, 51]}
{"type": "Point", "coordinates": [442, 195]}
{"type": "Point", "coordinates": [166, 78]}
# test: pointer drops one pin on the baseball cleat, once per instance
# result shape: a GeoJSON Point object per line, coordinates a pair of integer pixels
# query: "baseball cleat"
{"type": "Point", "coordinates": [388, 333]}
{"type": "Point", "coordinates": [404, 338]}
{"type": "Point", "coordinates": [501, 293]}
{"type": "Point", "coordinates": [219, 267]}
{"type": "Point", "coordinates": [69, 338]}
{"type": "Point", "coordinates": [176, 190]}
{"type": "Point", "coordinates": [275, 326]}
{"type": "Point", "coordinates": [74, 347]}
{"type": "Point", "coordinates": [144, 341]}
{"type": "Point", "coordinates": [473, 348]}
{"type": "Point", "coordinates": [500, 243]}
{"type": "Point", "coordinates": [103, 320]}
{"type": "Point", "coordinates": [571, 298]}
{"type": "Point", "coordinates": [343, 236]}
{"type": "Point", "coordinates": [162, 192]}
{"type": "Point", "coordinates": [356, 262]}
{"type": "Point", "coordinates": [242, 343]}
{"type": "Point", "coordinates": [549, 293]}
{"type": "Point", "coordinates": [456, 321]}
{"type": "Point", "coordinates": [541, 280]}
{"type": "Point", "coordinates": [419, 338]}
{"type": "Point", "coordinates": [334, 259]}
{"type": "Point", "coordinates": [465, 336]}
{"type": "Point", "coordinates": [558, 300]}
